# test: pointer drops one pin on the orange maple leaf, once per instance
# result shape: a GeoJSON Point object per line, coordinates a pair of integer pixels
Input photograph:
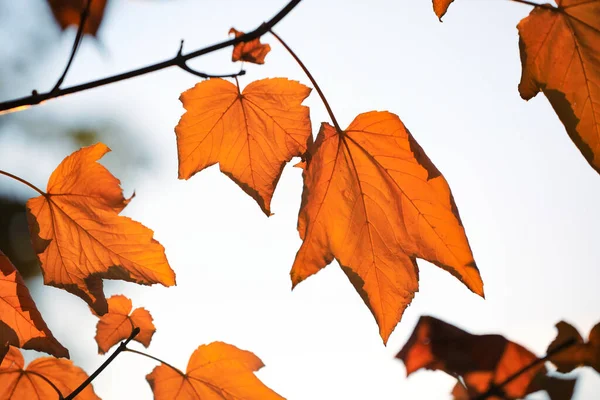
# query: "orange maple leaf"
{"type": "Point", "coordinates": [440, 7]}
{"type": "Point", "coordinates": [21, 324]}
{"type": "Point", "coordinates": [581, 353]}
{"type": "Point", "coordinates": [252, 51]}
{"type": "Point", "coordinates": [68, 12]}
{"type": "Point", "coordinates": [117, 324]}
{"type": "Point", "coordinates": [80, 238]}
{"type": "Point", "coordinates": [251, 134]}
{"type": "Point", "coordinates": [215, 371]}
{"type": "Point", "coordinates": [481, 360]}
{"type": "Point", "coordinates": [559, 55]}
{"type": "Point", "coordinates": [44, 378]}
{"type": "Point", "coordinates": [374, 201]}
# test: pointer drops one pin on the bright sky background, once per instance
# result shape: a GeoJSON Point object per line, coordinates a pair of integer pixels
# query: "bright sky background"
{"type": "Point", "coordinates": [528, 199]}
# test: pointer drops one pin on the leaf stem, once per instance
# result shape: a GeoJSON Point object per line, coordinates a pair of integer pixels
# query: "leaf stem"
{"type": "Point", "coordinates": [105, 364]}
{"type": "Point", "coordinates": [31, 185]}
{"type": "Point", "coordinates": [141, 353]}
{"type": "Point", "coordinates": [531, 3]}
{"type": "Point", "coordinates": [37, 98]}
{"type": "Point", "coordinates": [497, 389]}
{"type": "Point", "coordinates": [312, 80]}
{"type": "Point", "coordinates": [49, 382]}
{"type": "Point", "coordinates": [84, 15]}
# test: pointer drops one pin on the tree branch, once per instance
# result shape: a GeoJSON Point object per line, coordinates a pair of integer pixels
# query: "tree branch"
{"type": "Point", "coordinates": [531, 3]}
{"type": "Point", "coordinates": [105, 364]}
{"type": "Point", "coordinates": [181, 63]}
{"type": "Point", "coordinates": [37, 98]}
{"type": "Point", "coordinates": [496, 390]}
{"type": "Point", "coordinates": [84, 15]}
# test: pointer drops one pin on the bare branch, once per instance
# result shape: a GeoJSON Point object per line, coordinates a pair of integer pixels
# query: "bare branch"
{"type": "Point", "coordinates": [37, 98]}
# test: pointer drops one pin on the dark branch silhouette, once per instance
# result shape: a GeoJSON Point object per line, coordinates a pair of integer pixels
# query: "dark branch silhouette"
{"type": "Point", "coordinates": [105, 364]}
{"type": "Point", "coordinates": [37, 98]}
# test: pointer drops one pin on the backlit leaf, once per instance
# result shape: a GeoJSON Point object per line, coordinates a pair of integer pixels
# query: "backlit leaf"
{"type": "Point", "coordinates": [215, 371]}
{"type": "Point", "coordinates": [21, 324]}
{"type": "Point", "coordinates": [42, 378]}
{"type": "Point", "coordinates": [252, 51]}
{"type": "Point", "coordinates": [559, 55]}
{"type": "Point", "coordinates": [251, 134]}
{"type": "Point", "coordinates": [481, 361]}
{"type": "Point", "coordinates": [580, 354]}
{"type": "Point", "coordinates": [440, 7]}
{"type": "Point", "coordinates": [79, 237]}
{"type": "Point", "coordinates": [117, 324]}
{"type": "Point", "coordinates": [374, 201]}
{"type": "Point", "coordinates": [68, 13]}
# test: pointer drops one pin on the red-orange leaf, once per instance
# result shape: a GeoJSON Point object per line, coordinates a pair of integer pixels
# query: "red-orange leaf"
{"type": "Point", "coordinates": [251, 134]}
{"type": "Point", "coordinates": [374, 201]}
{"type": "Point", "coordinates": [21, 324]}
{"type": "Point", "coordinates": [68, 13]}
{"type": "Point", "coordinates": [215, 371]}
{"type": "Point", "coordinates": [80, 238]}
{"type": "Point", "coordinates": [440, 7]}
{"type": "Point", "coordinates": [581, 353]}
{"type": "Point", "coordinates": [42, 378]}
{"type": "Point", "coordinates": [252, 51]}
{"type": "Point", "coordinates": [481, 360]}
{"type": "Point", "coordinates": [559, 54]}
{"type": "Point", "coordinates": [117, 324]}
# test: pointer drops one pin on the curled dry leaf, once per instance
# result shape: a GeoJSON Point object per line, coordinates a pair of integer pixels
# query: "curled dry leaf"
{"type": "Point", "coordinates": [252, 135]}
{"type": "Point", "coordinates": [21, 324]}
{"type": "Point", "coordinates": [68, 13]}
{"type": "Point", "coordinates": [581, 353]}
{"type": "Point", "coordinates": [374, 201]}
{"type": "Point", "coordinates": [80, 238]}
{"type": "Point", "coordinates": [559, 55]}
{"type": "Point", "coordinates": [42, 379]}
{"type": "Point", "coordinates": [440, 7]}
{"type": "Point", "coordinates": [215, 371]}
{"type": "Point", "coordinates": [252, 51]}
{"type": "Point", "coordinates": [481, 360]}
{"type": "Point", "coordinates": [117, 324]}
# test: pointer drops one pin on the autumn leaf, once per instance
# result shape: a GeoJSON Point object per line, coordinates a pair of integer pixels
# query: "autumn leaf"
{"type": "Point", "coordinates": [117, 324]}
{"type": "Point", "coordinates": [374, 201]}
{"type": "Point", "coordinates": [68, 12]}
{"type": "Point", "coordinates": [460, 392]}
{"type": "Point", "coordinates": [559, 56]}
{"type": "Point", "coordinates": [581, 353]}
{"type": "Point", "coordinates": [215, 371]}
{"type": "Point", "coordinates": [481, 360]}
{"type": "Point", "coordinates": [440, 7]}
{"type": "Point", "coordinates": [251, 134]}
{"type": "Point", "coordinates": [252, 51]}
{"type": "Point", "coordinates": [79, 237]}
{"type": "Point", "coordinates": [42, 379]}
{"type": "Point", "coordinates": [21, 324]}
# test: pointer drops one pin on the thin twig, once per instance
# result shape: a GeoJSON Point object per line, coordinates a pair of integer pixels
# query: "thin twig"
{"type": "Point", "coordinates": [31, 185]}
{"type": "Point", "coordinates": [181, 63]}
{"type": "Point", "coordinates": [105, 364]}
{"type": "Point", "coordinates": [214, 387]}
{"type": "Point", "coordinates": [313, 81]}
{"type": "Point", "coordinates": [37, 98]}
{"type": "Point", "coordinates": [84, 15]}
{"type": "Point", "coordinates": [153, 358]}
{"type": "Point", "coordinates": [496, 389]}
{"type": "Point", "coordinates": [531, 3]}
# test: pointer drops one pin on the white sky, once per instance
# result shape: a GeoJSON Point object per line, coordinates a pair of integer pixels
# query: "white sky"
{"type": "Point", "coordinates": [528, 199]}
